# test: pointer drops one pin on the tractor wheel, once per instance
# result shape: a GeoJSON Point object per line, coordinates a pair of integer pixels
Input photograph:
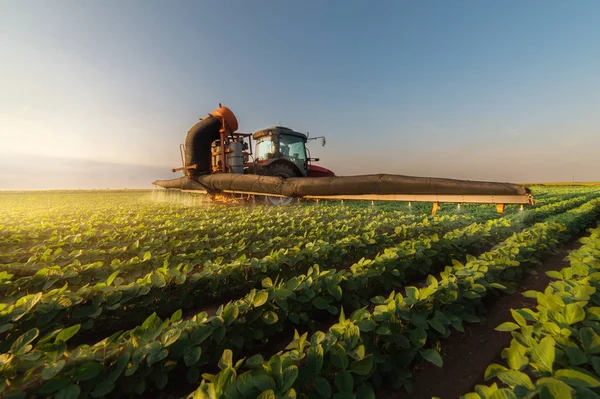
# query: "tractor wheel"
{"type": "Point", "coordinates": [281, 171]}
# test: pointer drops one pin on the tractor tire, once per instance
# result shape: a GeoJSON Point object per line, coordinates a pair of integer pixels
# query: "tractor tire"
{"type": "Point", "coordinates": [281, 171]}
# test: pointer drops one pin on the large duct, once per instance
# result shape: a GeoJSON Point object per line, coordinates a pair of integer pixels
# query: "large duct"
{"type": "Point", "coordinates": [197, 144]}
{"type": "Point", "coordinates": [202, 134]}
{"type": "Point", "coordinates": [380, 184]}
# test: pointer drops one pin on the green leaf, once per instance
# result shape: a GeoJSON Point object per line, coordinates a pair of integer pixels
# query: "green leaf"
{"type": "Point", "coordinates": [51, 370]}
{"type": "Point", "coordinates": [551, 388]}
{"type": "Point", "coordinates": [264, 382]}
{"type": "Point", "coordinates": [244, 384]}
{"type": "Point", "coordinates": [593, 313]}
{"type": "Point", "coordinates": [224, 379]}
{"type": "Point", "coordinates": [503, 393]}
{"type": "Point", "coordinates": [576, 356]}
{"type": "Point", "coordinates": [590, 340]}
{"type": "Point", "coordinates": [315, 358]}
{"type": "Point", "coordinates": [201, 334]}
{"type": "Point", "coordinates": [270, 394]}
{"type": "Point", "coordinates": [432, 356]}
{"type": "Point", "coordinates": [437, 326]}
{"type": "Point", "coordinates": [20, 346]}
{"type": "Point", "coordinates": [170, 337]}
{"type": "Point", "coordinates": [53, 385]}
{"type": "Point", "coordinates": [205, 391]}
{"type": "Point", "coordinates": [574, 313]}
{"type": "Point", "coordinates": [383, 331]}
{"type": "Point", "coordinates": [288, 378]}
{"type": "Point", "coordinates": [68, 392]}
{"type": "Point", "coordinates": [412, 293]}
{"type": "Point", "coordinates": [191, 355]}
{"type": "Point", "coordinates": [493, 370]}
{"type": "Point", "coordinates": [344, 381]}
{"type": "Point", "coordinates": [543, 354]}
{"type": "Point", "coordinates": [270, 318]}
{"type": "Point", "coordinates": [281, 293]}
{"type": "Point", "coordinates": [554, 274]}
{"type": "Point", "coordinates": [87, 371]}
{"type": "Point", "coordinates": [515, 360]}
{"type": "Point", "coordinates": [255, 361]}
{"type": "Point", "coordinates": [418, 337]}
{"type": "Point", "coordinates": [176, 316]}
{"type": "Point", "coordinates": [518, 318]}
{"type": "Point", "coordinates": [260, 298]}
{"type": "Point", "coordinates": [586, 393]}
{"type": "Point", "coordinates": [365, 392]}
{"type": "Point", "coordinates": [267, 282]}
{"type": "Point", "coordinates": [112, 277]}
{"type": "Point", "coordinates": [226, 359]}
{"type": "Point", "coordinates": [322, 386]}
{"type": "Point", "coordinates": [596, 364]}
{"type": "Point", "coordinates": [577, 379]}
{"type": "Point", "coordinates": [320, 303]}
{"type": "Point", "coordinates": [335, 291]}
{"type": "Point", "coordinates": [67, 333]}
{"type": "Point", "coordinates": [157, 353]}
{"type": "Point", "coordinates": [514, 378]}
{"type": "Point", "coordinates": [362, 366]}
{"type": "Point", "coordinates": [338, 357]}
{"type": "Point", "coordinates": [366, 325]}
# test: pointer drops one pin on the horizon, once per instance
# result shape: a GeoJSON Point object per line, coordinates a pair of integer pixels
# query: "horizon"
{"type": "Point", "coordinates": [101, 94]}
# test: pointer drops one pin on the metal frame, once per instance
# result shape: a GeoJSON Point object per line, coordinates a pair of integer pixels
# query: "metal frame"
{"type": "Point", "coordinates": [499, 200]}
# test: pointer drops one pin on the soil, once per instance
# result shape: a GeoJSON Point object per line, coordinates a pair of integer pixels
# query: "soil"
{"type": "Point", "coordinates": [467, 355]}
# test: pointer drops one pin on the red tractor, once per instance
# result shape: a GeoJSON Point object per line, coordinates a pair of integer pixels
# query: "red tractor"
{"type": "Point", "coordinates": [213, 146]}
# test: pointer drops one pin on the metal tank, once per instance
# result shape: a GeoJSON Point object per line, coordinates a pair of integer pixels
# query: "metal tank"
{"type": "Point", "coordinates": [235, 158]}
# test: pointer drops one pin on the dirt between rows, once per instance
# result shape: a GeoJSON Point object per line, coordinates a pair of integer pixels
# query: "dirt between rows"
{"type": "Point", "coordinates": [467, 355]}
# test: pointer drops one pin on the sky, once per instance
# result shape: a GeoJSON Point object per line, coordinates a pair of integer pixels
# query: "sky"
{"type": "Point", "coordinates": [101, 93]}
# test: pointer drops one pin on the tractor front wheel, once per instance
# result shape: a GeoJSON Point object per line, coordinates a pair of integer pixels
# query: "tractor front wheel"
{"type": "Point", "coordinates": [284, 171]}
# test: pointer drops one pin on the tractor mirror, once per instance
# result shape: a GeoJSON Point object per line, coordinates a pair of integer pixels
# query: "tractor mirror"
{"type": "Point", "coordinates": [323, 142]}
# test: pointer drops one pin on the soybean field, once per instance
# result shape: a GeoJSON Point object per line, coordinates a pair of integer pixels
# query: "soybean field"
{"type": "Point", "coordinates": [134, 294]}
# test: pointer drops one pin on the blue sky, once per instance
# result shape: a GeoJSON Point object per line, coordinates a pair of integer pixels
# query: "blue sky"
{"type": "Point", "coordinates": [467, 89]}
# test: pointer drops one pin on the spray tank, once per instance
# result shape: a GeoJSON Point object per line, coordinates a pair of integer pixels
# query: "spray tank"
{"type": "Point", "coordinates": [234, 158]}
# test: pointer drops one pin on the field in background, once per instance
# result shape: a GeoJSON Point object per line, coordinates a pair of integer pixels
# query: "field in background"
{"type": "Point", "coordinates": [136, 293]}
{"type": "Point", "coordinates": [588, 183]}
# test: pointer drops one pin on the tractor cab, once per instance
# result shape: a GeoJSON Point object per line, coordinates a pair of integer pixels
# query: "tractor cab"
{"type": "Point", "coordinates": [280, 151]}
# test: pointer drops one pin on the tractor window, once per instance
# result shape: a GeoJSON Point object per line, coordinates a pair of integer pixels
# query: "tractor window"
{"type": "Point", "coordinates": [265, 149]}
{"type": "Point", "coordinates": [292, 148]}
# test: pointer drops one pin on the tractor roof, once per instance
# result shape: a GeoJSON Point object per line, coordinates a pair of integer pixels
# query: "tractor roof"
{"type": "Point", "coordinates": [277, 130]}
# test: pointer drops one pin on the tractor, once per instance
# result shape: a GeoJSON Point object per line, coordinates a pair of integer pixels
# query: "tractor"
{"type": "Point", "coordinates": [219, 161]}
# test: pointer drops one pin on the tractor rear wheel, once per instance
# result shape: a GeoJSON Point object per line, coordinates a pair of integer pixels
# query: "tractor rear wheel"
{"type": "Point", "coordinates": [284, 171]}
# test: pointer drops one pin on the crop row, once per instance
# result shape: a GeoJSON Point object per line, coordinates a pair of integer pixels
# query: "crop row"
{"type": "Point", "coordinates": [377, 344]}
{"type": "Point", "coordinates": [120, 241]}
{"type": "Point", "coordinates": [139, 258]}
{"type": "Point", "coordinates": [555, 351]}
{"type": "Point", "coordinates": [169, 287]}
{"type": "Point", "coordinates": [234, 325]}
{"type": "Point", "coordinates": [66, 241]}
